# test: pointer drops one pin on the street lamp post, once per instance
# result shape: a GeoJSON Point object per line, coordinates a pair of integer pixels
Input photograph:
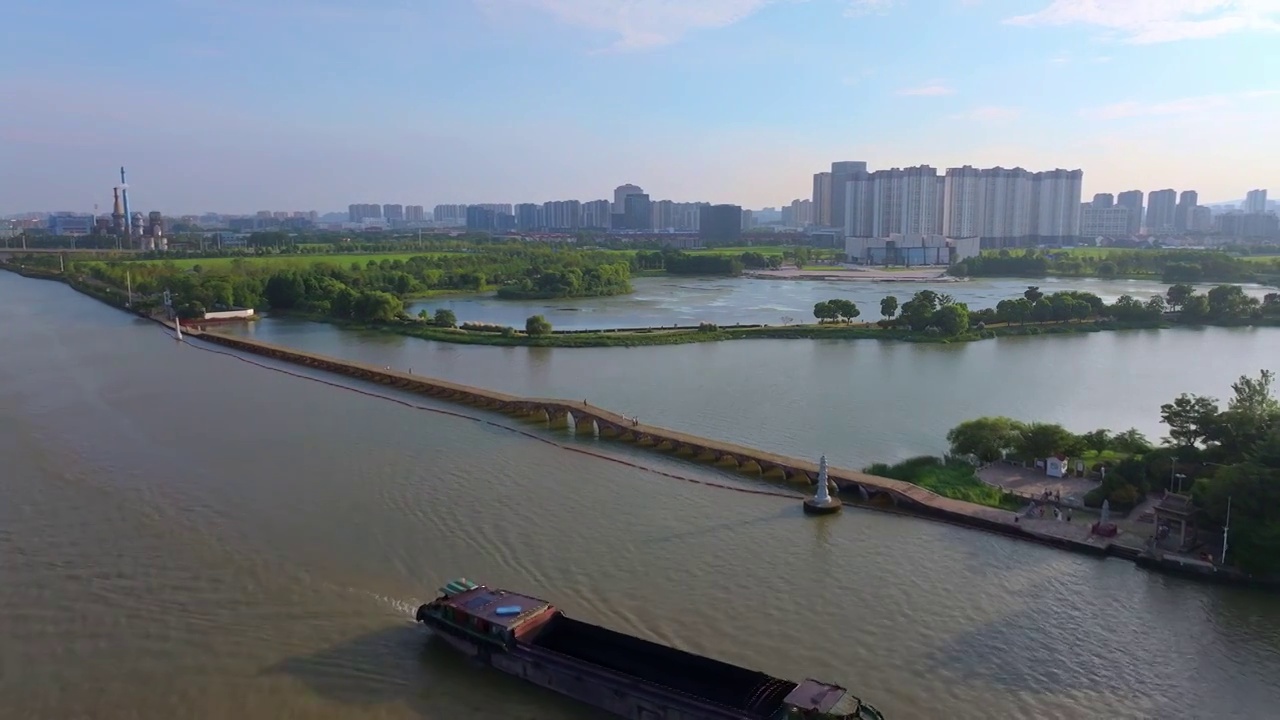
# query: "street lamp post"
{"type": "Point", "coordinates": [1226, 526]}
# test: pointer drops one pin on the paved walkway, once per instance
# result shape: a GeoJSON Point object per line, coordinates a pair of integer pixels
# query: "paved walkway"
{"type": "Point", "coordinates": [1031, 483]}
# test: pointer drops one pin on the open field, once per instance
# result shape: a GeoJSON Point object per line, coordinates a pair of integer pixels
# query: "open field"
{"type": "Point", "coordinates": [766, 250]}
{"type": "Point", "coordinates": [1259, 258]}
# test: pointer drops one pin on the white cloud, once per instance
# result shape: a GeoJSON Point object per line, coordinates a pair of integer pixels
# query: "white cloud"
{"type": "Point", "coordinates": [990, 114]}
{"type": "Point", "coordinates": [640, 24]}
{"type": "Point", "coordinates": [932, 88]}
{"type": "Point", "coordinates": [1181, 106]}
{"type": "Point", "coordinates": [1144, 22]}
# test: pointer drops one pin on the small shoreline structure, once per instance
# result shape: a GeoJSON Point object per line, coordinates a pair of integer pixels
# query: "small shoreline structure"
{"type": "Point", "coordinates": [822, 502]}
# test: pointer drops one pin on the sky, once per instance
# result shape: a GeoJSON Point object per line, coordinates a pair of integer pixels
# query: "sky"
{"type": "Point", "coordinates": [246, 105]}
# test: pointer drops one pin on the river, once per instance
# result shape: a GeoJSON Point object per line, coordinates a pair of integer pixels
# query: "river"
{"type": "Point", "coordinates": [726, 301]}
{"type": "Point", "coordinates": [186, 535]}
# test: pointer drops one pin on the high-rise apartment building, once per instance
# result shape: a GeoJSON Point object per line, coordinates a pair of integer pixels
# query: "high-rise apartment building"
{"type": "Point", "coordinates": [1187, 202]}
{"type": "Point", "coordinates": [801, 213]}
{"type": "Point", "coordinates": [1255, 201]}
{"type": "Point", "coordinates": [637, 213]}
{"type": "Point", "coordinates": [498, 208]}
{"type": "Point", "coordinates": [841, 174]}
{"type": "Point", "coordinates": [720, 223]}
{"type": "Point", "coordinates": [481, 218]}
{"type": "Point", "coordinates": [620, 194]}
{"type": "Point", "coordinates": [1104, 200]}
{"type": "Point", "coordinates": [1201, 219]}
{"type": "Point", "coordinates": [1162, 208]}
{"type": "Point", "coordinates": [1007, 207]}
{"type": "Point", "coordinates": [562, 214]}
{"type": "Point", "coordinates": [450, 214]}
{"type": "Point", "coordinates": [962, 202]}
{"type": "Point", "coordinates": [1003, 207]}
{"type": "Point", "coordinates": [906, 201]}
{"type": "Point", "coordinates": [393, 213]}
{"type": "Point", "coordinates": [362, 211]}
{"type": "Point", "coordinates": [1057, 203]}
{"type": "Point", "coordinates": [1132, 201]}
{"type": "Point", "coordinates": [414, 213]}
{"type": "Point", "coordinates": [527, 217]}
{"type": "Point", "coordinates": [1096, 222]}
{"type": "Point", "coordinates": [596, 214]}
{"type": "Point", "coordinates": [822, 199]}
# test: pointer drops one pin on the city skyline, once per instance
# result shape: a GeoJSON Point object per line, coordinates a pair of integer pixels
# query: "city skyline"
{"type": "Point", "coordinates": [731, 101]}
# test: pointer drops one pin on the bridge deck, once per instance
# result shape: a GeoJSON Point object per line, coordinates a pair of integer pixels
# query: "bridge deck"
{"type": "Point", "coordinates": [904, 490]}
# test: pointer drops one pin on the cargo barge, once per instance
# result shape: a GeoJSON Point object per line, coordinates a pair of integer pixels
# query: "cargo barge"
{"type": "Point", "coordinates": [624, 675]}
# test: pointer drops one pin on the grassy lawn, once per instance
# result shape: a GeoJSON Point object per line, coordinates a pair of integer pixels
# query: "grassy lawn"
{"type": "Point", "coordinates": [1259, 258]}
{"type": "Point", "coordinates": [766, 250]}
{"type": "Point", "coordinates": [956, 480]}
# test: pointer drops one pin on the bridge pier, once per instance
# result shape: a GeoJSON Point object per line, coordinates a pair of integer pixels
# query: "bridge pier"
{"type": "Point", "coordinates": [749, 467]}
{"type": "Point", "coordinates": [584, 425]}
{"type": "Point", "coordinates": [557, 418]}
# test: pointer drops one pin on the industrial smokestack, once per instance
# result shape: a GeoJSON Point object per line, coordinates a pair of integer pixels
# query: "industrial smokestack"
{"type": "Point", "coordinates": [124, 193]}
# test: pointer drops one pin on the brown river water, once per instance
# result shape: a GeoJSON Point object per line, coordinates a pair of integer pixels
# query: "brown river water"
{"type": "Point", "coordinates": [183, 535]}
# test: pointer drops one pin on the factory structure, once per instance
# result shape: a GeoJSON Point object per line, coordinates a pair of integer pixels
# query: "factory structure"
{"type": "Point", "coordinates": [135, 231]}
{"type": "Point", "coordinates": [132, 230]}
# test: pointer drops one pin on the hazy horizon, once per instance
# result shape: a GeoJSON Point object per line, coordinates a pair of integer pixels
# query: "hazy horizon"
{"type": "Point", "coordinates": [237, 107]}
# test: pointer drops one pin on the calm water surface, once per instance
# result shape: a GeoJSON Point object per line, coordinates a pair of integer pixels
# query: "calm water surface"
{"type": "Point", "coordinates": [856, 401]}
{"type": "Point", "coordinates": [186, 535]}
{"type": "Point", "coordinates": [725, 301]}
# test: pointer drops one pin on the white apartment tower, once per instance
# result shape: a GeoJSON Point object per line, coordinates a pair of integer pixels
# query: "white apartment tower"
{"type": "Point", "coordinates": [962, 202]}
{"type": "Point", "coordinates": [906, 201]}
{"type": "Point", "coordinates": [1057, 200]}
{"type": "Point", "coordinates": [1255, 202]}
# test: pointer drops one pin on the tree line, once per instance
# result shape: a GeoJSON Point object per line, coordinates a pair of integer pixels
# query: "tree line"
{"type": "Point", "coordinates": [937, 313]}
{"type": "Point", "coordinates": [1172, 266]}
{"type": "Point", "coordinates": [1220, 455]}
{"type": "Point", "coordinates": [372, 291]}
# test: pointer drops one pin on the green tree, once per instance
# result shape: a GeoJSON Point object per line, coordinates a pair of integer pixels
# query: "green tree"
{"type": "Point", "coordinates": [1041, 440]}
{"type": "Point", "coordinates": [537, 325]}
{"type": "Point", "coordinates": [1253, 490]}
{"type": "Point", "coordinates": [986, 438]}
{"type": "Point", "coordinates": [445, 317]}
{"type": "Point", "coordinates": [376, 306]}
{"type": "Point", "coordinates": [1032, 294]}
{"type": "Point", "coordinates": [889, 307]}
{"type": "Point", "coordinates": [952, 320]}
{"type": "Point", "coordinates": [844, 309]}
{"type": "Point", "coordinates": [1177, 295]}
{"type": "Point", "coordinates": [1098, 441]}
{"type": "Point", "coordinates": [1131, 441]}
{"type": "Point", "coordinates": [1107, 269]}
{"type": "Point", "coordinates": [823, 311]}
{"type": "Point", "coordinates": [1191, 419]}
{"type": "Point", "coordinates": [1195, 307]}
